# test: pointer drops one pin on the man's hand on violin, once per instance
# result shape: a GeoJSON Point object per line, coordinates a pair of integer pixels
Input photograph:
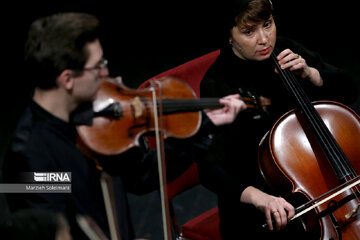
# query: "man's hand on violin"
{"type": "Point", "coordinates": [232, 106]}
{"type": "Point", "coordinates": [294, 62]}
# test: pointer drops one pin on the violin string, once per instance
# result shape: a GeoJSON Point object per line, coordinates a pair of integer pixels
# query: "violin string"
{"type": "Point", "coordinates": [184, 105]}
{"type": "Point", "coordinates": [312, 116]}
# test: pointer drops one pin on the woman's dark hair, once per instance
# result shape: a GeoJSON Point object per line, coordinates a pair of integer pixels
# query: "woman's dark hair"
{"type": "Point", "coordinates": [257, 11]}
{"type": "Point", "coordinates": [245, 12]}
{"type": "Point", "coordinates": [56, 43]}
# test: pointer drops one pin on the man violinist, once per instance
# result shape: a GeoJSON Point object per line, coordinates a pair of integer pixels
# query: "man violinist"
{"type": "Point", "coordinates": [64, 58]}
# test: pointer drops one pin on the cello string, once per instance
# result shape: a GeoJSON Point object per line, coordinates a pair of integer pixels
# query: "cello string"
{"type": "Point", "coordinates": [337, 152]}
{"type": "Point", "coordinates": [306, 207]}
{"type": "Point", "coordinates": [322, 129]}
{"type": "Point", "coordinates": [353, 182]}
{"type": "Point", "coordinates": [305, 104]}
{"type": "Point", "coordinates": [326, 199]}
{"type": "Point", "coordinates": [301, 97]}
{"type": "Point", "coordinates": [318, 124]}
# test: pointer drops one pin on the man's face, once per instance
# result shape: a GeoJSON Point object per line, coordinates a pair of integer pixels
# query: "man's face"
{"type": "Point", "coordinates": [88, 83]}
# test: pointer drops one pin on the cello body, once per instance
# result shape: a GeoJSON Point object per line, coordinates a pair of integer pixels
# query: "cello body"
{"type": "Point", "coordinates": [293, 163]}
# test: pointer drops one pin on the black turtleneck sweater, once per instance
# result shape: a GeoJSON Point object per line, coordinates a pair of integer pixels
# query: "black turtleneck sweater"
{"type": "Point", "coordinates": [231, 164]}
{"type": "Point", "coordinates": [45, 143]}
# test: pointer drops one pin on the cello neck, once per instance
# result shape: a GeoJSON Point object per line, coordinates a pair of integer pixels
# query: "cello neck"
{"type": "Point", "coordinates": [330, 147]}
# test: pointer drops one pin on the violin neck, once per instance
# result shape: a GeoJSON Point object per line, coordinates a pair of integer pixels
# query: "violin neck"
{"type": "Point", "coordinates": [173, 105]}
{"type": "Point", "coordinates": [170, 106]}
{"type": "Point", "coordinates": [330, 147]}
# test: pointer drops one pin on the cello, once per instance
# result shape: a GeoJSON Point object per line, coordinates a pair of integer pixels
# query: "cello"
{"type": "Point", "coordinates": [313, 153]}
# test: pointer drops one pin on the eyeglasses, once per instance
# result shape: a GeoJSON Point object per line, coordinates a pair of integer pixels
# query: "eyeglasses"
{"type": "Point", "coordinates": [103, 64]}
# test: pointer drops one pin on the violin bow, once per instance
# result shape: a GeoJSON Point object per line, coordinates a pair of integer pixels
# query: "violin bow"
{"type": "Point", "coordinates": [109, 200]}
{"type": "Point", "coordinates": [159, 136]}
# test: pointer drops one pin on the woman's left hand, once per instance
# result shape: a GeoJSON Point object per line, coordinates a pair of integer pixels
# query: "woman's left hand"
{"type": "Point", "coordinates": [294, 62]}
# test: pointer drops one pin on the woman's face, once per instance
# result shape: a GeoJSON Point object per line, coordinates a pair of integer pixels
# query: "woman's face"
{"type": "Point", "coordinates": [255, 42]}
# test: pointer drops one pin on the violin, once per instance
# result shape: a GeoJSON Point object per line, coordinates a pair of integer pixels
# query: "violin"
{"type": "Point", "coordinates": [123, 114]}
{"type": "Point", "coordinates": [168, 107]}
{"type": "Point", "coordinates": [313, 153]}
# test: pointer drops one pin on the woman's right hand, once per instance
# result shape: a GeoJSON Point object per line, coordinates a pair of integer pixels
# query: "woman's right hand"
{"type": "Point", "coordinates": [275, 208]}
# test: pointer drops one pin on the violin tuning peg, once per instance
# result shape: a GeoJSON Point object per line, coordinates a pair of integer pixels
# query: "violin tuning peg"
{"type": "Point", "coordinates": [118, 79]}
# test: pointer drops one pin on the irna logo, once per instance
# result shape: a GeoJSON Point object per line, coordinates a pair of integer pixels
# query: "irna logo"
{"type": "Point", "coordinates": [52, 177]}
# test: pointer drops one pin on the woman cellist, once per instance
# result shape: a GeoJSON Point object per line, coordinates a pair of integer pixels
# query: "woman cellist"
{"type": "Point", "coordinates": [245, 65]}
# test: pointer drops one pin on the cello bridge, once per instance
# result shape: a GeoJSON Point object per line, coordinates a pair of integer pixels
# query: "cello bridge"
{"type": "Point", "coordinates": [137, 107]}
{"type": "Point", "coordinates": [355, 212]}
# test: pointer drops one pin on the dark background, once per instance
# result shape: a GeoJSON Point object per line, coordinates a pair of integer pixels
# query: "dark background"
{"type": "Point", "coordinates": [143, 39]}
